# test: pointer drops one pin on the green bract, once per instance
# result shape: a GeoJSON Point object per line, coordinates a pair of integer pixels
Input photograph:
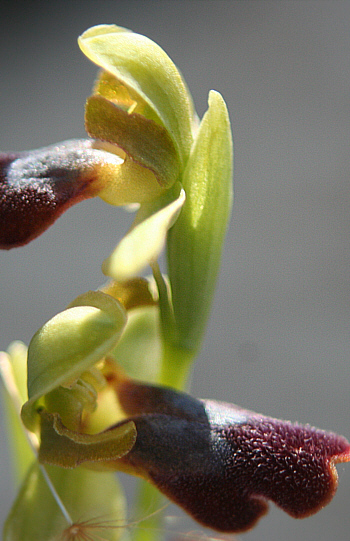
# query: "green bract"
{"type": "Point", "coordinates": [195, 242]}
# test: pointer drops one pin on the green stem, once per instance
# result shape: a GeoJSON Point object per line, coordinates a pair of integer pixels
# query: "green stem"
{"type": "Point", "coordinates": [168, 325]}
{"type": "Point", "coordinates": [173, 372]}
{"type": "Point", "coordinates": [176, 360]}
{"type": "Point", "coordinates": [175, 366]}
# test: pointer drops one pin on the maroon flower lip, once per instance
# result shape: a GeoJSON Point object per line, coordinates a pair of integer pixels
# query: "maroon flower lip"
{"type": "Point", "coordinates": [219, 462]}
{"type": "Point", "coordinates": [36, 187]}
{"type": "Point", "coordinates": [222, 463]}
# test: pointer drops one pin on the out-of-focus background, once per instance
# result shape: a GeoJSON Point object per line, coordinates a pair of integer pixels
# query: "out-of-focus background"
{"type": "Point", "coordinates": [278, 341]}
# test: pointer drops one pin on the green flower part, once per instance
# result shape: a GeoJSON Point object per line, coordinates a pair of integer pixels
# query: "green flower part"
{"type": "Point", "coordinates": [73, 411]}
{"type": "Point", "coordinates": [195, 242]}
{"type": "Point", "coordinates": [64, 383]}
{"type": "Point", "coordinates": [13, 372]}
{"type": "Point", "coordinates": [146, 239]}
{"type": "Point", "coordinates": [140, 70]}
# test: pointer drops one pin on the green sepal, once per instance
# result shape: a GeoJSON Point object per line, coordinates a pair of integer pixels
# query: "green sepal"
{"type": "Point", "coordinates": [13, 371]}
{"type": "Point", "coordinates": [195, 242]}
{"type": "Point", "coordinates": [69, 344]}
{"type": "Point", "coordinates": [68, 449]}
{"type": "Point", "coordinates": [93, 499]}
{"type": "Point", "coordinates": [143, 66]}
{"type": "Point", "coordinates": [144, 141]}
{"type": "Point", "coordinates": [18, 352]}
{"type": "Point", "coordinates": [144, 242]}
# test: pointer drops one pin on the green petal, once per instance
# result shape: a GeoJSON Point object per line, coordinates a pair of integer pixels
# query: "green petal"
{"type": "Point", "coordinates": [66, 448]}
{"type": "Point", "coordinates": [195, 242]}
{"type": "Point", "coordinates": [141, 65]}
{"type": "Point", "coordinates": [90, 498]}
{"type": "Point", "coordinates": [144, 242]}
{"type": "Point", "coordinates": [147, 143]}
{"type": "Point", "coordinates": [70, 343]}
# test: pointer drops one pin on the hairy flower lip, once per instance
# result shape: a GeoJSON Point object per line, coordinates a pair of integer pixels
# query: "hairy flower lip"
{"type": "Point", "coordinates": [37, 186]}
{"type": "Point", "coordinates": [343, 457]}
{"type": "Point", "coordinates": [222, 463]}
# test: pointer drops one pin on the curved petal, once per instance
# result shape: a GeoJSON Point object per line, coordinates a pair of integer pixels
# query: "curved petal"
{"type": "Point", "coordinates": [36, 187]}
{"type": "Point", "coordinates": [66, 448]}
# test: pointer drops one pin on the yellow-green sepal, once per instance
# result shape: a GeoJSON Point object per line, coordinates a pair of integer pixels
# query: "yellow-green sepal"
{"type": "Point", "coordinates": [141, 65]}
{"type": "Point", "coordinates": [195, 242]}
{"type": "Point", "coordinates": [69, 344]}
{"type": "Point", "coordinates": [13, 371]}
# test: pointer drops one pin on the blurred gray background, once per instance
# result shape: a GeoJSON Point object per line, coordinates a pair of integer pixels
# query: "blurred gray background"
{"type": "Point", "coordinates": [278, 341]}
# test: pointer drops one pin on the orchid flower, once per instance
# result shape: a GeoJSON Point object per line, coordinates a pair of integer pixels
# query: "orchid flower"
{"type": "Point", "coordinates": [220, 462]}
{"type": "Point", "coordinates": [148, 149]}
{"type": "Point", "coordinates": [105, 377]}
